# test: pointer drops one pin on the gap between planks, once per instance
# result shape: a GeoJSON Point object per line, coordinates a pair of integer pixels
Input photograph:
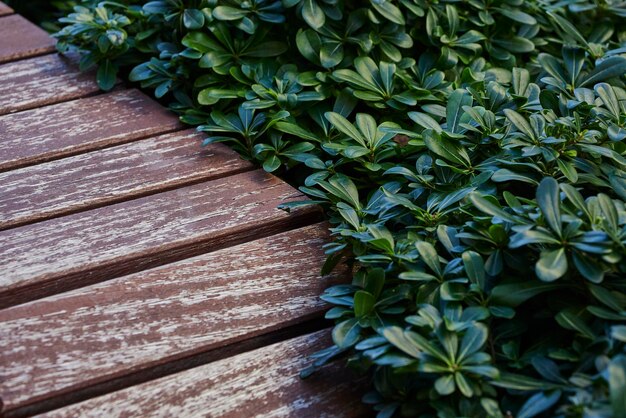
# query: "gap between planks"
{"type": "Point", "coordinates": [42, 81]}
{"type": "Point", "coordinates": [22, 39]}
{"type": "Point", "coordinates": [112, 175]}
{"type": "Point", "coordinates": [159, 319]}
{"type": "Point", "coordinates": [263, 383]}
{"type": "Point", "coordinates": [77, 250]}
{"type": "Point", "coordinates": [71, 128]}
{"type": "Point", "coordinates": [294, 330]}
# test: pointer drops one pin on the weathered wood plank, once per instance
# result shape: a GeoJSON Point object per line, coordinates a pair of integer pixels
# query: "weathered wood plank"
{"type": "Point", "coordinates": [66, 342]}
{"type": "Point", "coordinates": [22, 39]}
{"type": "Point", "coordinates": [260, 383]}
{"type": "Point", "coordinates": [52, 132]}
{"type": "Point", "coordinates": [80, 249]}
{"type": "Point", "coordinates": [112, 175]}
{"type": "Point", "coordinates": [41, 81]}
{"type": "Point", "coordinates": [4, 9]}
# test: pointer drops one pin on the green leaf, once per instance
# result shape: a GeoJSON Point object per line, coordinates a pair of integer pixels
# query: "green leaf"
{"type": "Point", "coordinates": [345, 127]}
{"type": "Point", "coordinates": [309, 45]}
{"type": "Point", "coordinates": [463, 385]}
{"type": "Point", "coordinates": [520, 123]}
{"type": "Point", "coordinates": [347, 188]}
{"type": "Point", "coordinates": [549, 203]}
{"type": "Point", "coordinates": [538, 403]}
{"type": "Point", "coordinates": [363, 303]}
{"type": "Point", "coordinates": [425, 121]}
{"type": "Point", "coordinates": [193, 19]}
{"type": "Point", "coordinates": [521, 382]}
{"type": "Point", "coordinates": [473, 340]}
{"type": "Point", "coordinates": [397, 337]}
{"type": "Point", "coordinates": [346, 333]}
{"type": "Point", "coordinates": [445, 385]}
{"type": "Point", "coordinates": [568, 28]}
{"type": "Point", "coordinates": [619, 332]}
{"type": "Point", "coordinates": [569, 320]}
{"type": "Point", "coordinates": [452, 152]}
{"type": "Point", "coordinates": [474, 267]}
{"type": "Point", "coordinates": [389, 11]}
{"type": "Point", "coordinates": [574, 59]}
{"type": "Point", "coordinates": [313, 14]}
{"type": "Point", "coordinates": [515, 44]}
{"type": "Point", "coordinates": [552, 66]}
{"type": "Point", "coordinates": [617, 385]}
{"type": "Point", "coordinates": [201, 42]}
{"type": "Point", "coordinates": [490, 208]}
{"type": "Point", "coordinates": [609, 98]}
{"type": "Point", "coordinates": [429, 256]}
{"type": "Point", "coordinates": [518, 16]}
{"type": "Point", "coordinates": [606, 297]}
{"type": "Point", "coordinates": [106, 75]}
{"type": "Point", "coordinates": [271, 163]}
{"type": "Point", "coordinates": [228, 13]}
{"type": "Point", "coordinates": [552, 265]}
{"type": "Point", "coordinates": [375, 281]}
{"type": "Point", "coordinates": [454, 109]}
{"type": "Point", "coordinates": [520, 78]}
{"type": "Point", "coordinates": [515, 293]}
{"type": "Point", "coordinates": [607, 69]}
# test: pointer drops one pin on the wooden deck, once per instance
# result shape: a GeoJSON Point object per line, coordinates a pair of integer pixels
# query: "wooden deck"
{"type": "Point", "coordinates": [143, 275]}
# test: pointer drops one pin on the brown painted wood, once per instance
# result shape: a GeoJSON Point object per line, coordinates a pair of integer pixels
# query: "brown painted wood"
{"type": "Point", "coordinates": [64, 129]}
{"type": "Point", "coordinates": [41, 81]}
{"type": "Point", "coordinates": [4, 9]}
{"type": "Point", "coordinates": [22, 39]}
{"type": "Point", "coordinates": [64, 343]}
{"type": "Point", "coordinates": [112, 175]}
{"type": "Point", "coordinates": [64, 253]}
{"type": "Point", "coordinates": [261, 383]}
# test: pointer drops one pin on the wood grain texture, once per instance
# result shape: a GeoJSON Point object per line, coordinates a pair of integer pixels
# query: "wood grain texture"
{"type": "Point", "coordinates": [52, 132]}
{"type": "Point", "coordinates": [4, 9]}
{"type": "Point", "coordinates": [66, 342]}
{"type": "Point", "coordinates": [112, 175]}
{"type": "Point", "coordinates": [75, 250]}
{"type": "Point", "coordinates": [263, 383]}
{"type": "Point", "coordinates": [41, 81]}
{"type": "Point", "coordinates": [22, 39]}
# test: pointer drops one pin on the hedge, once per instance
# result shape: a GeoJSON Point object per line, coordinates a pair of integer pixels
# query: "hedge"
{"type": "Point", "coordinates": [470, 156]}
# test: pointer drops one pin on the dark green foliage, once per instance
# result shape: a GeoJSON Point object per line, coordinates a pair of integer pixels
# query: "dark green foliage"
{"type": "Point", "coordinates": [470, 156]}
{"type": "Point", "coordinates": [43, 12]}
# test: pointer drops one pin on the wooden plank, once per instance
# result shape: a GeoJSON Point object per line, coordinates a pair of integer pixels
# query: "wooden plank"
{"type": "Point", "coordinates": [41, 81]}
{"type": "Point", "coordinates": [112, 175]}
{"type": "Point", "coordinates": [52, 132]}
{"type": "Point", "coordinates": [4, 9]}
{"type": "Point", "coordinates": [22, 39]}
{"type": "Point", "coordinates": [160, 315]}
{"type": "Point", "coordinates": [261, 383]}
{"type": "Point", "coordinates": [76, 250]}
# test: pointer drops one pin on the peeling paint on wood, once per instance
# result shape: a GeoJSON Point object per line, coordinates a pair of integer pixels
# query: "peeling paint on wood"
{"type": "Point", "coordinates": [63, 253]}
{"type": "Point", "coordinates": [4, 9]}
{"type": "Point", "coordinates": [42, 81]}
{"type": "Point", "coordinates": [112, 175]}
{"type": "Point", "coordinates": [52, 132]}
{"type": "Point", "coordinates": [22, 39]}
{"type": "Point", "coordinates": [263, 383]}
{"type": "Point", "coordinates": [72, 340]}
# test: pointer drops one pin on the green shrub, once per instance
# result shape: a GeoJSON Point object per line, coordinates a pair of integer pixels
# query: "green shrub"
{"type": "Point", "coordinates": [470, 156]}
{"type": "Point", "coordinates": [43, 12]}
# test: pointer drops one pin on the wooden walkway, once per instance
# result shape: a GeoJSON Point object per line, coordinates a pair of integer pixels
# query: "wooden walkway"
{"type": "Point", "coordinates": [142, 275]}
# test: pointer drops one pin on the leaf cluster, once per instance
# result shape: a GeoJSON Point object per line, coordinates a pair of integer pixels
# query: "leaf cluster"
{"type": "Point", "coordinates": [470, 157]}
